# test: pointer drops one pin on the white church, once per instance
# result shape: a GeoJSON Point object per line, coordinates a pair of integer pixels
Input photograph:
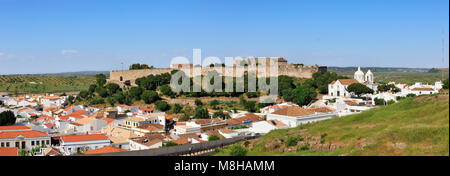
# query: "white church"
{"type": "Point", "coordinates": [338, 88]}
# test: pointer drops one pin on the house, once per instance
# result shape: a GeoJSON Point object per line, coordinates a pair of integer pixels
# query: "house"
{"type": "Point", "coordinates": [338, 88]}
{"type": "Point", "coordinates": [227, 133]}
{"type": "Point", "coordinates": [9, 151]}
{"type": "Point", "coordinates": [86, 125]}
{"type": "Point", "coordinates": [208, 125]}
{"type": "Point", "coordinates": [107, 149]}
{"type": "Point", "coordinates": [294, 116]}
{"type": "Point", "coordinates": [186, 128]}
{"type": "Point", "coordinates": [119, 136]}
{"type": "Point", "coordinates": [149, 141]}
{"type": "Point", "coordinates": [423, 91]}
{"type": "Point", "coordinates": [81, 143]}
{"type": "Point", "coordinates": [148, 128]}
{"type": "Point", "coordinates": [22, 137]}
{"type": "Point", "coordinates": [241, 121]}
{"type": "Point", "coordinates": [266, 126]}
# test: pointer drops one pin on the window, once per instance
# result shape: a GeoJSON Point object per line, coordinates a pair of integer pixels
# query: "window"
{"type": "Point", "coordinates": [17, 144]}
{"type": "Point", "coordinates": [23, 144]}
{"type": "Point", "coordinates": [7, 144]}
{"type": "Point", "coordinates": [48, 142]}
{"type": "Point", "coordinates": [37, 142]}
{"type": "Point", "coordinates": [121, 78]}
{"type": "Point", "coordinates": [2, 144]}
{"type": "Point", "coordinates": [32, 142]}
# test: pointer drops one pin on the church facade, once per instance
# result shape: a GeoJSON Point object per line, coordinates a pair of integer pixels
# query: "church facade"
{"type": "Point", "coordinates": [338, 88]}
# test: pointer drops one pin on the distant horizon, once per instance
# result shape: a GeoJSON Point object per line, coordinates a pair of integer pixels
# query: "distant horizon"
{"type": "Point", "coordinates": [51, 36]}
{"type": "Point", "coordinates": [127, 68]}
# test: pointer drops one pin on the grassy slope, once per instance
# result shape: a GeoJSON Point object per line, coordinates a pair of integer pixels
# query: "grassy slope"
{"type": "Point", "coordinates": [50, 83]}
{"type": "Point", "coordinates": [422, 126]}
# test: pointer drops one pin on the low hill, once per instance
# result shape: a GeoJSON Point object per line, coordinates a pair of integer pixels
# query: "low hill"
{"type": "Point", "coordinates": [44, 83]}
{"type": "Point", "coordinates": [413, 126]}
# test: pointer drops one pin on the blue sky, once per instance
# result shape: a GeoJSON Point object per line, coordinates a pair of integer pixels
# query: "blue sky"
{"type": "Point", "coordinates": [76, 35]}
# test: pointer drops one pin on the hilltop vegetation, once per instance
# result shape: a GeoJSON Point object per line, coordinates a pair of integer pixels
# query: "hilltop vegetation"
{"type": "Point", "coordinates": [413, 126]}
{"type": "Point", "coordinates": [44, 83]}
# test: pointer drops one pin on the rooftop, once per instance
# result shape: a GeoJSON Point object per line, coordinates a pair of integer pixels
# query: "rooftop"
{"type": "Point", "coordinates": [86, 137]}
{"type": "Point", "coordinates": [107, 149]}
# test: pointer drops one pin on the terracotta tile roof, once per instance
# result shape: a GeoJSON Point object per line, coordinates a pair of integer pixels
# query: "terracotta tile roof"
{"type": "Point", "coordinates": [78, 112]}
{"type": "Point", "coordinates": [181, 141]}
{"type": "Point", "coordinates": [28, 134]}
{"type": "Point", "coordinates": [422, 89]}
{"type": "Point", "coordinates": [276, 123]}
{"type": "Point", "coordinates": [109, 120]}
{"type": "Point", "coordinates": [50, 109]}
{"type": "Point", "coordinates": [87, 137]}
{"type": "Point", "coordinates": [77, 116]}
{"type": "Point", "coordinates": [149, 139]}
{"type": "Point", "coordinates": [107, 149]}
{"type": "Point", "coordinates": [346, 81]}
{"type": "Point", "coordinates": [52, 152]}
{"type": "Point", "coordinates": [231, 122]}
{"type": "Point", "coordinates": [85, 121]}
{"type": "Point", "coordinates": [151, 126]}
{"type": "Point", "coordinates": [14, 128]}
{"type": "Point", "coordinates": [168, 117]}
{"type": "Point", "coordinates": [226, 130]}
{"type": "Point", "coordinates": [351, 102]}
{"type": "Point", "coordinates": [207, 121]}
{"type": "Point", "coordinates": [44, 118]}
{"type": "Point", "coordinates": [294, 111]}
{"type": "Point", "coordinates": [323, 109]}
{"type": "Point", "coordinates": [9, 151]}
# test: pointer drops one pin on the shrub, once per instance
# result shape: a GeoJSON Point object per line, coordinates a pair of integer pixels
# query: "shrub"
{"type": "Point", "coordinates": [162, 105]}
{"type": "Point", "coordinates": [293, 140]}
{"type": "Point", "coordinates": [238, 150]}
{"type": "Point", "coordinates": [213, 138]}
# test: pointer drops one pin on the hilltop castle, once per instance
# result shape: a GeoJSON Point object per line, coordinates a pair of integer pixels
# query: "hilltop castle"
{"type": "Point", "coordinates": [128, 77]}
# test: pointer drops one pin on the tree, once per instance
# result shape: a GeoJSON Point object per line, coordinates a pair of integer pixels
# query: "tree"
{"type": "Point", "coordinates": [358, 89]}
{"type": "Point", "coordinates": [135, 92]}
{"type": "Point", "coordinates": [120, 97]}
{"type": "Point", "coordinates": [250, 106]}
{"type": "Point", "coordinates": [101, 91]}
{"type": "Point", "coordinates": [149, 96]}
{"type": "Point", "coordinates": [213, 138]}
{"type": "Point", "coordinates": [83, 94]}
{"type": "Point", "coordinates": [97, 100]}
{"type": "Point", "coordinates": [201, 113]}
{"type": "Point", "coordinates": [445, 84]}
{"type": "Point", "coordinates": [92, 88]}
{"type": "Point", "coordinates": [221, 114]}
{"type": "Point", "coordinates": [100, 79]}
{"type": "Point", "coordinates": [170, 144]}
{"type": "Point", "coordinates": [198, 102]}
{"type": "Point", "coordinates": [176, 108]}
{"type": "Point", "coordinates": [111, 100]}
{"type": "Point", "coordinates": [112, 88]}
{"type": "Point", "coordinates": [214, 103]}
{"type": "Point", "coordinates": [237, 150]}
{"type": "Point", "coordinates": [166, 90]}
{"type": "Point", "coordinates": [379, 101]}
{"type": "Point", "coordinates": [70, 99]}
{"type": "Point", "coordinates": [139, 66]}
{"type": "Point", "coordinates": [184, 117]}
{"type": "Point", "coordinates": [162, 105]}
{"type": "Point", "coordinates": [303, 95]}
{"type": "Point", "coordinates": [7, 118]}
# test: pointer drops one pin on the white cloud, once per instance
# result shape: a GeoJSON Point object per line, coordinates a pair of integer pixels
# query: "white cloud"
{"type": "Point", "coordinates": [69, 52]}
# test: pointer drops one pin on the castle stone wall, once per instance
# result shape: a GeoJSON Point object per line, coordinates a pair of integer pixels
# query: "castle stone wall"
{"type": "Point", "coordinates": [120, 76]}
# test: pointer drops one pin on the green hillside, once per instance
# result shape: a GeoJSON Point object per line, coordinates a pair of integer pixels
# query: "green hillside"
{"type": "Point", "coordinates": [418, 126]}
{"type": "Point", "coordinates": [44, 83]}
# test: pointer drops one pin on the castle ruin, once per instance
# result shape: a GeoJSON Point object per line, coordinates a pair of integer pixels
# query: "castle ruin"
{"type": "Point", "coordinates": [251, 65]}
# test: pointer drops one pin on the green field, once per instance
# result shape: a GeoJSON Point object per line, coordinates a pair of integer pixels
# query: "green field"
{"type": "Point", "coordinates": [399, 75]}
{"type": "Point", "coordinates": [44, 83]}
{"type": "Point", "coordinates": [411, 127]}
